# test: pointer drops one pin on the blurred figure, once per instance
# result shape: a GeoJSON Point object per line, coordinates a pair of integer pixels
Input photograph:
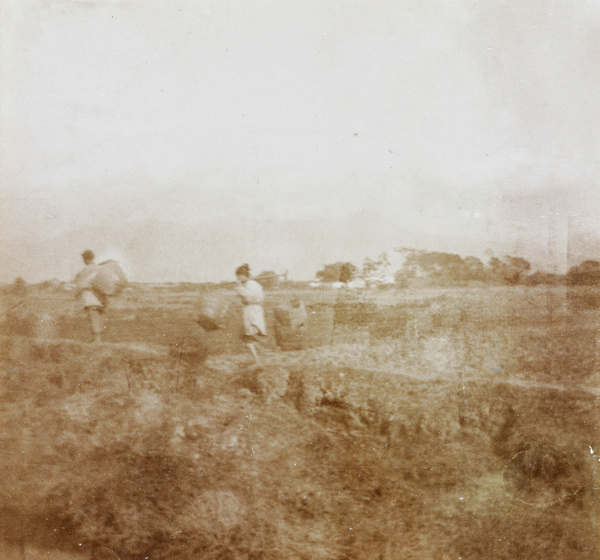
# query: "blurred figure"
{"type": "Point", "coordinates": [93, 302]}
{"type": "Point", "coordinates": [252, 296]}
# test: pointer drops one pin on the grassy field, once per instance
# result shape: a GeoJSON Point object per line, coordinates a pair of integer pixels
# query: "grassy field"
{"type": "Point", "coordinates": [415, 424]}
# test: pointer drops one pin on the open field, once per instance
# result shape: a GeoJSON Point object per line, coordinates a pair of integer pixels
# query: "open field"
{"type": "Point", "coordinates": [416, 424]}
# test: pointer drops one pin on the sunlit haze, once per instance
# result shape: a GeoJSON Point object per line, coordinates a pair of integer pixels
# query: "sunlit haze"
{"type": "Point", "coordinates": [186, 137]}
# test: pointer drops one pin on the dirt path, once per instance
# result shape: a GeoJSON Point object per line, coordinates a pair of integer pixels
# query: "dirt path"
{"type": "Point", "coordinates": [466, 379]}
{"type": "Point", "coordinates": [276, 358]}
{"type": "Point", "coordinates": [157, 351]}
{"type": "Point", "coordinates": [595, 391]}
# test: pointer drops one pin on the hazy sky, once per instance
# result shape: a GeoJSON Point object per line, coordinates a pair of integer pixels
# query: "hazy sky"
{"type": "Point", "coordinates": [468, 118]}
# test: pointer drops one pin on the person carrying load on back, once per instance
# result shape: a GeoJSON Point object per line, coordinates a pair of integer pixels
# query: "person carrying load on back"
{"type": "Point", "coordinates": [252, 296]}
{"type": "Point", "coordinates": [93, 301]}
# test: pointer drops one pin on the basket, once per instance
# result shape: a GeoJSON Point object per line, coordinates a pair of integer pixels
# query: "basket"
{"type": "Point", "coordinates": [110, 279]}
{"type": "Point", "coordinates": [212, 310]}
{"type": "Point", "coordinates": [290, 338]}
{"type": "Point", "coordinates": [282, 316]}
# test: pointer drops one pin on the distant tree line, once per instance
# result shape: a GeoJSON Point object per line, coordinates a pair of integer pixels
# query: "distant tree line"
{"type": "Point", "coordinates": [447, 268]}
{"type": "Point", "coordinates": [435, 266]}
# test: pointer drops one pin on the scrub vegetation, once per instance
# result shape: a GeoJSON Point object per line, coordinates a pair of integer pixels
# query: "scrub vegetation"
{"type": "Point", "coordinates": [415, 424]}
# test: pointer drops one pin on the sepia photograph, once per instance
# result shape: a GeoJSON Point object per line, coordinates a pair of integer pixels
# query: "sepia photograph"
{"type": "Point", "coordinates": [299, 280]}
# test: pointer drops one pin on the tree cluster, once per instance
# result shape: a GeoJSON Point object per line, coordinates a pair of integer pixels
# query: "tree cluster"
{"type": "Point", "coordinates": [433, 265]}
{"type": "Point", "coordinates": [448, 267]}
{"type": "Point", "coordinates": [585, 274]}
{"type": "Point", "coordinates": [337, 272]}
{"type": "Point", "coordinates": [346, 271]}
{"type": "Point", "coordinates": [376, 268]}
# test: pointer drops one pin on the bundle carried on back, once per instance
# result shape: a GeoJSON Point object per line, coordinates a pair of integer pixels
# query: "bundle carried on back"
{"type": "Point", "coordinates": [110, 279]}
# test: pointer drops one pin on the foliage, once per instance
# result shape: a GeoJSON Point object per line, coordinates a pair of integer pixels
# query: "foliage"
{"type": "Point", "coordinates": [539, 278]}
{"type": "Point", "coordinates": [474, 268]}
{"type": "Point", "coordinates": [376, 268]}
{"type": "Point", "coordinates": [585, 274]}
{"type": "Point", "coordinates": [509, 270]}
{"type": "Point", "coordinates": [448, 267]}
{"type": "Point", "coordinates": [434, 265]}
{"type": "Point", "coordinates": [347, 272]}
{"type": "Point", "coordinates": [336, 271]}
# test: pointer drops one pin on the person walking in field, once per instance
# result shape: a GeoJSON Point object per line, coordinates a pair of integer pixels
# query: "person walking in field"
{"type": "Point", "coordinates": [252, 296]}
{"type": "Point", "coordinates": [93, 302]}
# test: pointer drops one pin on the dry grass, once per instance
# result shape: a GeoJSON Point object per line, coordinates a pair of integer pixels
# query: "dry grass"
{"type": "Point", "coordinates": [443, 425]}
